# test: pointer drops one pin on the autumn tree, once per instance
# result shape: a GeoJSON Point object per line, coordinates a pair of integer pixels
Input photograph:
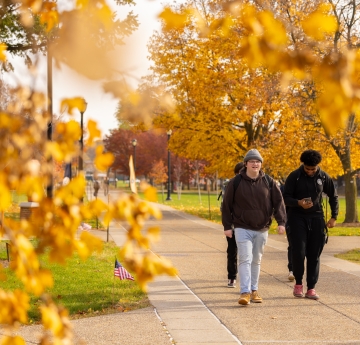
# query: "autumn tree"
{"type": "Point", "coordinates": [159, 174]}
{"type": "Point", "coordinates": [310, 98]}
{"type": "Point", "coordinates": [260, 74]}
{"type": "Point", "coordinates": [151, 147]}
{"type": "Point", "coordinates": [223, 107]}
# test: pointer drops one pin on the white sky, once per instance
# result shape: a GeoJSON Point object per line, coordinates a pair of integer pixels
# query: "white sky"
{"type": "Point", "coordinates": [67, 83]}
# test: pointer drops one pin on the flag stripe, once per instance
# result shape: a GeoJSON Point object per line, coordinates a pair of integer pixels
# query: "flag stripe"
{"type": "Point", "coordinates": [121, 272]}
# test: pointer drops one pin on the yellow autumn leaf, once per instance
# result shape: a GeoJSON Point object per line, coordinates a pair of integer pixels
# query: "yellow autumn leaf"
{"type": "Point", "coordinates": [149, 191]}
{"type": "Point", "coordinates": [82, 3]}
{"type": "Point", "coordinates": [3, 48]}
{"type": "Point", "coordinates": [274, 30]}
{"type": "Point", "coordinates": [154, 233]}
{"type": "Point", "coordinates": [8, 340]}
{"type": "Point", "coordinates": [94, 132]}
{"type": "Point", "coordinates": [51, 319]}
{"type": "Point", "coordinates": [319, 23]}
{"type": "Point", "coordinates": [5, 197]}
{"type": "Point", "coordinates": [70, 130]}
{"type": "Point", "coordinates": [49, 15]}
{"type": "Point", "coordinates": [172, 19]}
{"type": "Point", "coordinates": [103, 160]}
{"type": "Point", "coordinates": [92, 242]}
{"type": "Point", "coordinates": [69, 104]}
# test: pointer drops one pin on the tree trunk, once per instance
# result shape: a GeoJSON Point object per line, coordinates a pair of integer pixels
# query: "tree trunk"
{"type": "Point", "coordinates": [351, 214]}
{"type": "Point", "coordinates": [343, 152]}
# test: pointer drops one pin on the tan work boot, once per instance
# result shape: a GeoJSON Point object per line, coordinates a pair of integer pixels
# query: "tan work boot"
{"type": "Point", "coordinates": [255, 297]}
{"type": "Point", "coordinates": [244, 299]}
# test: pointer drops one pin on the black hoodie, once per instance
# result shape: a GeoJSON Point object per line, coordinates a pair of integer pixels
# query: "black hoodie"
{"type": "Point", "coordinates": [253, 204]}
{"type": "Point", "coordinates": [299, 185]}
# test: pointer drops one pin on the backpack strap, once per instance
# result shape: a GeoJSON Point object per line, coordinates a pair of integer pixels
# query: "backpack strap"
{"type": "Point", "coordinates": [237, 180]}
{"type": "Point", "coordinates": [269, 181]}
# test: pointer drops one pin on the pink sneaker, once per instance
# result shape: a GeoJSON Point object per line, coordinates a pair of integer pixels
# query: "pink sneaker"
{"type": "Point", "coordinates": [298, 291]}
{"type": "Point", "coordinates": [312, 294]}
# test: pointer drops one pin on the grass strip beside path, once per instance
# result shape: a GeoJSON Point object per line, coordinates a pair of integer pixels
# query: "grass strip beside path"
{"type": "Point", "coordinates": [85, 288]}
{"type": "Point", "coordinates": [351, 255]}
{"type": "Point", "coordinates": [190, 203]}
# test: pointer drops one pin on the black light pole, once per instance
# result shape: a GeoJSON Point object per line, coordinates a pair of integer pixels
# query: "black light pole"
{"type": "Point", "coordinates": [169, 170]}
{"type": "Point", "coordinates": [49, 187]}
{"type": "Point", "coordinates": [81, 157]}
{"type": "Point", "coordinates": [134, 143]}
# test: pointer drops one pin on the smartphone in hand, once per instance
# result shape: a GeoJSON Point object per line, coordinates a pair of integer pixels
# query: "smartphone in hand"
{"type": "Point", "coordinates": [308, 200]}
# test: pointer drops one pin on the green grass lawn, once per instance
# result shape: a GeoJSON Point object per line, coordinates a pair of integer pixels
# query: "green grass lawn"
{"type": "Point", "coordinates": [352, 255]}
{"type": "Point", "coordinates": [14, 211]}
{"type": "Point", "coordinates": [189, 202]}
{"type": "Point", "coordinates": [85, 288]}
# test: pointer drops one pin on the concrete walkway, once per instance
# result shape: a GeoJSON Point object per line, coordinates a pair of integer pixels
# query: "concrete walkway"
{"type": "Point", "coordinates": [198, 308]}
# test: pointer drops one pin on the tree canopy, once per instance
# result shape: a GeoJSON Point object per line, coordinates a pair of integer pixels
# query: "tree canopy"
{"type": "Point", "coordinates": [279, 76]}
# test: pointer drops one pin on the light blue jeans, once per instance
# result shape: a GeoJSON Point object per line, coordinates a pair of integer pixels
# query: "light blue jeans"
{"type": "Point", "coordinates": [250, 245]}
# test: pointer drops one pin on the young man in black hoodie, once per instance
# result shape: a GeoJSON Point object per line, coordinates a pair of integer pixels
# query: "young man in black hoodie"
{"type": "Point", "coordinates": [249, 210]}
{"type": "Point", "coordinates": [303, 197]}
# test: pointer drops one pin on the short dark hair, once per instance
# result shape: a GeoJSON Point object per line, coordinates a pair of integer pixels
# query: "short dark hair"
{"type": "Point", "coordinates": [238, 167]}
{"type": "Point", "coordinates": [311, 158]}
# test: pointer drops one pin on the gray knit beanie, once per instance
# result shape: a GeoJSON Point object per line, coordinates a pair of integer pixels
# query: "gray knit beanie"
{"type": "Point", "coordinates": [253, 154]}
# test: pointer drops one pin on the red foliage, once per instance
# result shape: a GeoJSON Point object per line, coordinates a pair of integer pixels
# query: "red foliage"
{"type": "Point", "coordinates": [151, 147]}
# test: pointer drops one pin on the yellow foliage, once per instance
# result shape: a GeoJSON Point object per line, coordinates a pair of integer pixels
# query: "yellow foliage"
{"type": "Point", "coordinates": [14, 306]}
{"type": "Point", "coordinates": [172, 19]}
{"type": "Point", "coordinates": [49, 15]}
{"type": "Point", "coordinates": [103, 160]}
{"type": "Point", "coordinates": [91, 243]}
{"type": "Point", "coordinates": [2, 51]}
{"type": "Point", "coordinates": [150, 192]}
{"type": "Point", "coordinates": [94, 132]}
{"type": "Point", "coordinates": [319, 23]}
{"type": "Point", "coordinates": [69, 104]}
{"type": "Point", "coordinates": [55, 318]}
{"type": "Point", "coordinates": [9, 340]}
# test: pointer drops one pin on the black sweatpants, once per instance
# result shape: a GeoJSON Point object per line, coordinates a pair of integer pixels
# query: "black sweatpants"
{"type": "Point", "coordinates": [307, 239]}
{"type": "Point", "coordinates": [231, 257]}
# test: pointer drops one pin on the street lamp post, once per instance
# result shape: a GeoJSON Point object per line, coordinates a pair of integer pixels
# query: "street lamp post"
{"type": "Point", "coordinates": [49, 187]}
{"type": "Point", "coordinates": [81, 157]}
{"type": "Point", "coordinates": [169, 132]}
{"type": "Point", "coordinates": [134, 143]}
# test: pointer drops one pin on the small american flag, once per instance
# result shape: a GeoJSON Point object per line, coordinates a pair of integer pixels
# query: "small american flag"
{"type": "Point", "coordinates": [121, 272]}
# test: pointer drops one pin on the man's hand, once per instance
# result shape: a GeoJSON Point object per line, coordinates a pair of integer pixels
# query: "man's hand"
{"type": "Point", "coordinates": [305, 204]}
{"type": "Point", "coordinates": [228, 233]}
{"type": "Point", "coordinates": [281, 229]}
{"type": "Point", "coordinates": [331, 223]}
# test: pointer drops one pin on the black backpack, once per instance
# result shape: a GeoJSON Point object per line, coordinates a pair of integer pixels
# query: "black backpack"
{"type": "Point", "coordinates": [268, 180]}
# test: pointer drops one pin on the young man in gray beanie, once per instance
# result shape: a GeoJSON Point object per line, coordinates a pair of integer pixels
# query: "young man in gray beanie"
{"type": "Point", "coordinates": [249, 209]}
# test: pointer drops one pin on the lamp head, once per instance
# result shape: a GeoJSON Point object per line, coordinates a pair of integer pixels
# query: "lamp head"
{"type": "Point", "coordinates": [134, 142]}
{"type": "Point", "coordinates": [84, 106]}
{"type": "Point", "coordinates": [169, 132]}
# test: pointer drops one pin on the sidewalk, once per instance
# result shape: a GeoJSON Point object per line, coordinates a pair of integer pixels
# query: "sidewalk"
{"type": "Point", "coordinates": [198, 308]}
